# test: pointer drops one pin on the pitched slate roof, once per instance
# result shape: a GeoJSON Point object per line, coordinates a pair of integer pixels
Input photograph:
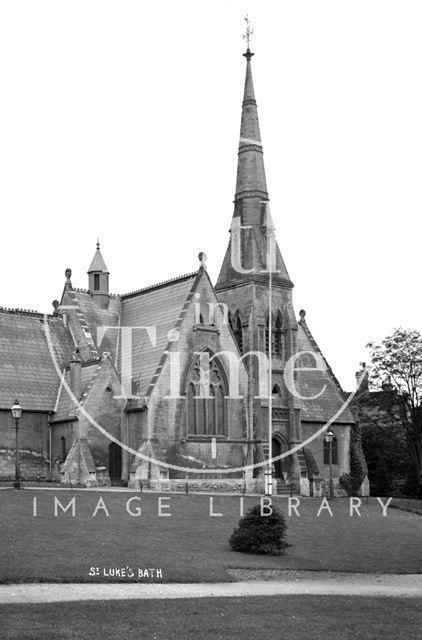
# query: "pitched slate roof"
{"type": "Point", "coordinates": [159, 306]}
{"type": "Point", "coordinates": [325, 406]}
{"type": "Point", "coordinates": [95, 318]}
{"type": "Point", "coordinates": [27, 370]}
{"type": "Point", "coordinates": [65, 408]}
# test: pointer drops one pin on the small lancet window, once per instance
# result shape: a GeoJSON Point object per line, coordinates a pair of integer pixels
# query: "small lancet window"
{"type": "Point", "coordinates": [277, 333]}
{"type": "Point", "coordinates": [278, 336]}
{"type": "Point", "coordinates": [334, 452]}
{"type": "Point", "coordinates": [238, 332]}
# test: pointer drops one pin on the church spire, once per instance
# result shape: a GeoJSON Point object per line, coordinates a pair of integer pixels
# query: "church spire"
{"type": "Point", "coordinates": [250, 168]}
{"type": "Point", "coordinates": [249, 230]}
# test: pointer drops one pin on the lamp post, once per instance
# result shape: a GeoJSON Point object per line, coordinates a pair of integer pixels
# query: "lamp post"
{"type": "Point", "coordinates": [329, 440]}
{"type": "Point", "coordinates": [16, 414]}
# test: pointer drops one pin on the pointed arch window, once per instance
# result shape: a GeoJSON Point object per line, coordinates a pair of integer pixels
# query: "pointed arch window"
{"type": "Point", "coordinates": [277, 335]}
{"type": "Point", "coordinates": [206, 413]}
{"type": "Point", "coordinates": [276, 391]}
{"type": "Point", "coordinates": [334, 452]}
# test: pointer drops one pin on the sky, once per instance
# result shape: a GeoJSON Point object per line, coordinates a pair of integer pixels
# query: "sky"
{"type": "Point", "coordinates": [120, 120]}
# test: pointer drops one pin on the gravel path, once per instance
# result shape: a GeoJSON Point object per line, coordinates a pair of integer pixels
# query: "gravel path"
{"type": "Point", "coordinates": [258, 583]}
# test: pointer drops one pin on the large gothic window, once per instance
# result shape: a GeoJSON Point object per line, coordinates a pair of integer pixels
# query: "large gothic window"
{"type": "Point", "coordinates": [206, 413]}
{"type": "Point", "coordinates": [277, 335]}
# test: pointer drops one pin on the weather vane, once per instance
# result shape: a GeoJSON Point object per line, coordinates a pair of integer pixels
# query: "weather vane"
{"type": "Point", "coordinates": [249, 31]}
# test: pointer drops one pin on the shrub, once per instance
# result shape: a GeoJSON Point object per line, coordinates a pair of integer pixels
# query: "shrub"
{"type": "Point", "coordinates": [351, 482]}
{"type": "Point", "coordinates": [260, 534]}
{"type": "Point", "coordinates": [345, 481]}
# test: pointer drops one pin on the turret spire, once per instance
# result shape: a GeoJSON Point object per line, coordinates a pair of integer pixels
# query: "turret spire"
{"type": "Point", "coordinates": [98, 279]}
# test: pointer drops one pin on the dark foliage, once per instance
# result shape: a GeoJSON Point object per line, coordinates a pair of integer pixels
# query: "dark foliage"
{"type": "Point", "coordinates": [383, 438]}
{"type": "Point", "coordinates": [413, 484]}
{"type": "Point", "coordinates": [258, 533]}
{"type": "Point", "coordinates": [381, 480]}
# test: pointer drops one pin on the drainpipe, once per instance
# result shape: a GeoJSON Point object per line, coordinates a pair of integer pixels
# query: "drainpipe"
{"type": "Point", "coordinates": [127, 452]}
{"type": "Point", "coordinates": [50, 463]}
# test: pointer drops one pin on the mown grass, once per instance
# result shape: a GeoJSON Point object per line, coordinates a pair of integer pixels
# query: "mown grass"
{"type": "Point", "coordinates": [280, 617]}
{"type": "Point", "coordinates": [191, 545]}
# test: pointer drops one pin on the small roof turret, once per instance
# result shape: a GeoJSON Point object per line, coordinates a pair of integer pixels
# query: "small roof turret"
{"type": "Point", "coordinates": [98, 263]}
{"type": "Point", "coordinates": [98, 279]}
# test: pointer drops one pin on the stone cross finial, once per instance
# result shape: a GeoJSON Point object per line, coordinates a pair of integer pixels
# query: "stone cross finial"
{"type": "Point", "coordinates": [68, 275]}
{"type": "Point", "coordinates": [202, 259]}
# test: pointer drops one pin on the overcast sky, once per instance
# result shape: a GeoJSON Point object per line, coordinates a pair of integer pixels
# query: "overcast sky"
{"type": "Point", "coordinates": [121, 120]}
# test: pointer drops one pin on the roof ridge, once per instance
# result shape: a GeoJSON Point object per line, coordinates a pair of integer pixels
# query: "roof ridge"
{"type": "Point", "coordinates": [27, 312]}
{"type": "Point", "coordinates": [159, 284]}
{"type": "Point", "coordinates": [80, 290]}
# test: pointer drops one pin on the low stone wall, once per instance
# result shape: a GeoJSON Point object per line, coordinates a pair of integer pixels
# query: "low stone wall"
{"type": "Point", "coordinates": [230, 485]}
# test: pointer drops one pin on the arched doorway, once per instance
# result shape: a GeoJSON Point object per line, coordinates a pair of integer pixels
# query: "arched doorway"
{"type": "Point", "coordinates": [115, 462]}
{"type": "Point", "coordinates": [279, 446]}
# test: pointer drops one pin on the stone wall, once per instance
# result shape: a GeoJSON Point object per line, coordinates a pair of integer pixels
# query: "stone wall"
{"type": "Point", "coordinates": [32, 464]}
{"type": "Point", "coordinates": [229, 485]}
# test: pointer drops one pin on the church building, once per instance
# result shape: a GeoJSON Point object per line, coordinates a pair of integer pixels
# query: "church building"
{"type": "Point", "coordinates": [183, 383]}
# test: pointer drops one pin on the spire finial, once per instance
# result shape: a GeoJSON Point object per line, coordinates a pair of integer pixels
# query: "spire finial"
{"type": "Point", "coordinates": [98, 243]}
{"type": "Point", "coordinates": [247, 36]}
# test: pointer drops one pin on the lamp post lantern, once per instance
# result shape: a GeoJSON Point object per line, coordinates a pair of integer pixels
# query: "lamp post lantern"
{"type": "Point", "coordinates": [329, 436]}
{"type": "Point", "coordinates": [16, 414]}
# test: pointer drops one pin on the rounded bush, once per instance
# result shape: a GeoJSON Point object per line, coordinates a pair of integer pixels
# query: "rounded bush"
{"type": "Point", "coordinates": [258, 533]}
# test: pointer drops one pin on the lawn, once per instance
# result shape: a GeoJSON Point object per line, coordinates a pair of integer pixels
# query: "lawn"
{"type": "Point", "coordinates": [277, 617]}
{"type": "Point", "coordinates": [190, 545]}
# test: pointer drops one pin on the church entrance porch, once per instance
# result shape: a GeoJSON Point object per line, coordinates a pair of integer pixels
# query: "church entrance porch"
{"type": "Point", "coordinates": [115, 463]}
{"type": "Point", "coordinates": [279, 446]}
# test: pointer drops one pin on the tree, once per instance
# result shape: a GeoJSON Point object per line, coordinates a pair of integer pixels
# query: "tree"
{"type": "Point", "coordinates": [382, 478]}
{"type": "Point", "coordinates": [396, 364]}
